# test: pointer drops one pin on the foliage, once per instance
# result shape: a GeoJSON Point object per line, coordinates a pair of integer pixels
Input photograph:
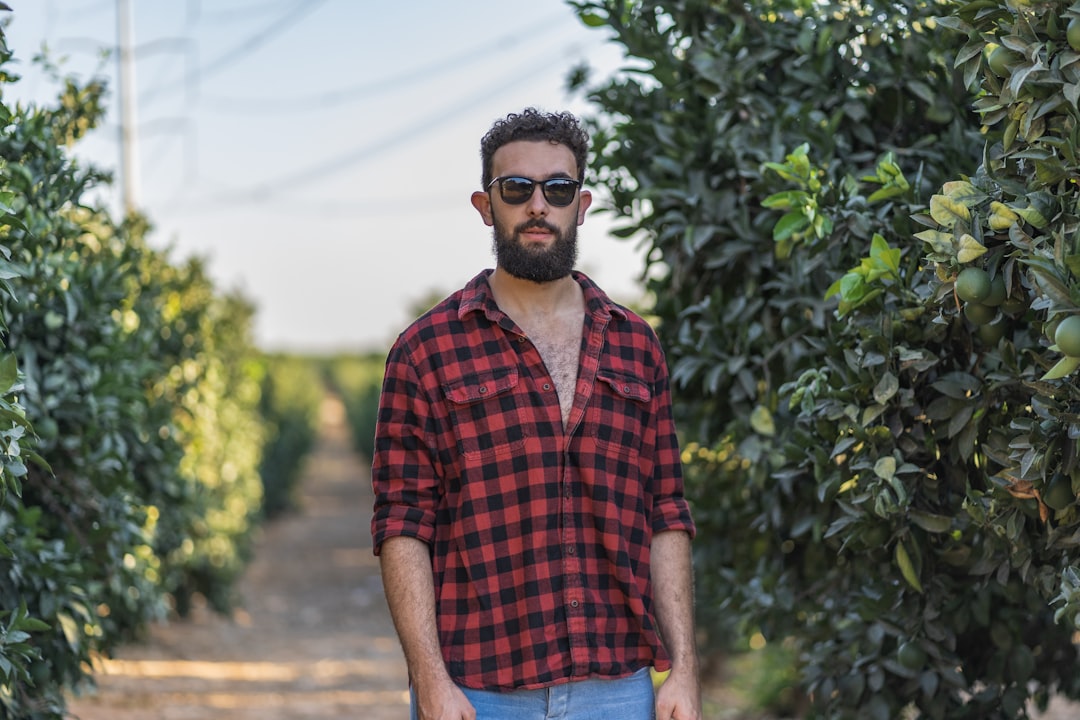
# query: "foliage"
{"type": "Point", "coordinates": [292, 393]}
{"type": "Point", "coordinates": [867, 456]}
{"type": "Point", "coordinates": [138, 382]}
{"type": "Point", "coordinates": [211, 384]}
{"type": "Point", "coordinates": [357, 379]}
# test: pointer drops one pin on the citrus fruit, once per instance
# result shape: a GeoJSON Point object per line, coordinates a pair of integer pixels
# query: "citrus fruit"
{"type": "Point", "coordinates": [997, 292]}
{"type": "Point", "coordinates": [1072, 34]}
{"type": "Point", "coordinates": [998, 61]}
{"type": "Point", "coordinates": [991, 332]}
{"type": "Point", "coordinates": [1014, 305]}
{"type": "Point", "coordinates": [911, 656]}
{"type": "Point", "coordinates": [978, 313]}
{"type": "Point", "coordinates": [973, 284]}
{"type": "Point", "coordinates": [1067, 336]}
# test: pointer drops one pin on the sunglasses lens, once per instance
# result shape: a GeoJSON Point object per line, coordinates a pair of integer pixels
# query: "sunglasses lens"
{"type": "Point", "coordinates": [560, 191]}
{"type": "Point", "coordinates": [516, 190]}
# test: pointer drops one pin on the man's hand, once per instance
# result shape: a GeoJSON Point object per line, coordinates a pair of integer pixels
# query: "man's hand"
{"type": "Point", "coordinates": [679, 698]}
{"type": "Point", "coordinates": [442, 701]}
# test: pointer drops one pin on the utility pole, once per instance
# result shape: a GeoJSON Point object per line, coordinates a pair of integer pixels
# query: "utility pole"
{"type": "Point", "coordinates": [128, 134]}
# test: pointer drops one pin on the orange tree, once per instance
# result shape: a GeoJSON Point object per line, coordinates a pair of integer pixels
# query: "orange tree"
{"type": "Point", "coordinates": [290, 401]}
{"type": "Point", "coordinates": [136, 382]}
{"type": "Point", "coordinates": [882, 455]}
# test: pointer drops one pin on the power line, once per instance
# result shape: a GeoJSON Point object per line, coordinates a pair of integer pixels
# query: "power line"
{"type": "Point", "coordinates": [300, 9]}
{"type": "Point", "coordinates": [341, 162]}
{"type": "Point", "coordinates": [245, 12]}
{"type": "Point", "coordinates": [353, 93]}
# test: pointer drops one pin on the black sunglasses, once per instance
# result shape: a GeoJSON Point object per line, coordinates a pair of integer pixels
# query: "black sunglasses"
{"type": "Point", "coordinates": [515, 190]}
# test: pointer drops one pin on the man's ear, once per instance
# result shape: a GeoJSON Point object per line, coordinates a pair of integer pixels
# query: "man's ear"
{"type": "Point", "coordinates": [584, 201]}
{"type": "Point", "coordinates": [482, 202]}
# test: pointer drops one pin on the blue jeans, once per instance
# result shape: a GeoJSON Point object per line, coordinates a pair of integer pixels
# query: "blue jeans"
{"type": "Point", "coordinates": [629, 698]}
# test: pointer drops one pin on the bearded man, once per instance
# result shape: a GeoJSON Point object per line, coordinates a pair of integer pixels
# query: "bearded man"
{"type": "Point", "coordinates": [529, 512]}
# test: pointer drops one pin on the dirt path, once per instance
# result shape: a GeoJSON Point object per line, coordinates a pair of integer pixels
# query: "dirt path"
{"type": "Point", "coordinates": [313, 638]}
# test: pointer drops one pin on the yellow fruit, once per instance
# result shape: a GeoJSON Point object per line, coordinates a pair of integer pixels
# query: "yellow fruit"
{"type": "Point", "coordinates": [1067, 336]}
{"type": "Point", "coordinates": [973, 284]}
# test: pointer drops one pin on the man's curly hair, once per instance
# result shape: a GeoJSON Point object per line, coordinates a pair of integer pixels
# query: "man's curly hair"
{"type": "Point", "coordinates": [531, 124]}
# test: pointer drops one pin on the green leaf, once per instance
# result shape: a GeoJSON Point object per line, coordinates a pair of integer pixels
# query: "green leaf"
{"type": "Point", "coordinates": [885, 468]}
{"type": "Point", "coordinates": [887, 257]}
{"type": "Point", "coordinates": [592, 19]}
{"type": "Point", "coordinates": [1049, 281]}
{"type": "Point", "coordinates": [930, 522]}
{"type": "Point", "coordinates": [39, 461]}
{"type": "Point", "coordinates": [786, 199]}
{"type": "Point", "coordinates": [886, 192]}
{"type": "Point", "coordinates": [907, 567]}
{"type": "Point", "coordinates": [789, 225]}
{"type": "Point", "coordinates": [886, 387]}
{"type": "Point", "coordinates": [9, 373]}
{"type": "Point", "coordinates": [1061, 368]}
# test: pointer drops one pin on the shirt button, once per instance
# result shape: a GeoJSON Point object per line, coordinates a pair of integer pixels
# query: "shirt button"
{"type": "Point", "coordinates": [570, 549]}
{"type": "Point", "coordinates": [573, 603]}
{"type": "Point", "coordinates": [547, 386]}
{"type": "Point", "coordinates": [483, 389]}
{"type": "Point", "coordinates": [626, 389]}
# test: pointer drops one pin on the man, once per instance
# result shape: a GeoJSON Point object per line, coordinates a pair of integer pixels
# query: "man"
{"type": "Point", "coordinates": [529, 512]}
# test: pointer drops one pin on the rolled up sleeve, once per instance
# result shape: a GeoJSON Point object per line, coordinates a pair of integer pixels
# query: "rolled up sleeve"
{"type": "Point", "coordinates": [671, 511]}
{"type": "Point", "coordinates": [404, 471]}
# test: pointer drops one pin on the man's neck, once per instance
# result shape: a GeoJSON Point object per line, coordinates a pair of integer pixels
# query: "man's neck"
{"type": "Point", "coordinates": [524, 298]}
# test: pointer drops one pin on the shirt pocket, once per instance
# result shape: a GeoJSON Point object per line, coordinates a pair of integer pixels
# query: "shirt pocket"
{"type": "Point", "coordinates": [487, 419]}
{"type": "Point", "coordinates": [620, 412]}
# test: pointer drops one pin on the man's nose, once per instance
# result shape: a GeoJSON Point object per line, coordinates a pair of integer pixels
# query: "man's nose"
{"type": "Point", "coordinates": [537, 204]}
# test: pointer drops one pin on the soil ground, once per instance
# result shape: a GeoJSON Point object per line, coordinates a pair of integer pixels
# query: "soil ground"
{"type": "Point", "coordinates": [312, 638]}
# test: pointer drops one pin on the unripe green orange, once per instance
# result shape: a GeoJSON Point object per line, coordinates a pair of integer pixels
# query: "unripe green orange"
{"type": "Point", "coordinates": [991, 333]}
{"type": "Point", "coordinates": [997, 292]}
{"type": "Point", "coordinates": [978, 313]}
{"type": "Point", "coordinates": [973, 284]}
{"type": "Point", "coordinates": [1067, 336]}
{"type": "Point", "coordinates": [998, 60]}
{"type": "Point", "coordinates": [911, 656]}
{"type": "Point", "coordinates": [1072, 34]}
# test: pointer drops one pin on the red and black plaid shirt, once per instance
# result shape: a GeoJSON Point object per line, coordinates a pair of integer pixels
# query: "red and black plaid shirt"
{"type": "Point", "coordinates": [540, 536]}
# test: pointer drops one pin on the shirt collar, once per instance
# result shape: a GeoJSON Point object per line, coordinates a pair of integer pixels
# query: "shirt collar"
{"type": "Point", "coordinates": [476, 297]}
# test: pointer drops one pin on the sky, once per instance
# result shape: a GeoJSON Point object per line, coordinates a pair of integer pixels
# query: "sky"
{"type": "Point", "coordinates": [320, 154]}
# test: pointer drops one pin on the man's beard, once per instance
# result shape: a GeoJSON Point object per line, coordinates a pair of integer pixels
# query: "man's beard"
{"type": "Point", "coordinates": [537, 265]}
